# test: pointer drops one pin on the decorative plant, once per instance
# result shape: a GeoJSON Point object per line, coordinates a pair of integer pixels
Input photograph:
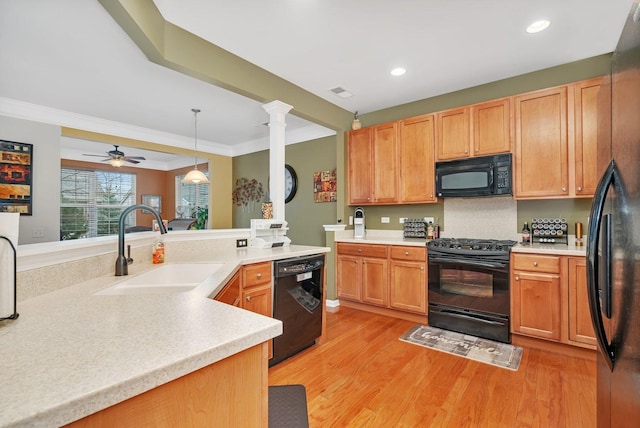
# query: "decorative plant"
{"type": "Point", "coordinates": [201, 214]}
{"type": "Point", "coordinates": [247, 191]}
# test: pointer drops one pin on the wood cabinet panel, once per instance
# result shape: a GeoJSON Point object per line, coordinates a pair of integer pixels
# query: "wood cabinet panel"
{"type": "Point", "coordinates": [580, 326]}
{"type": "Point", "coordinates": [536, 263]}
{"type": "Point", "coordinates": [409, 253]}
{"type": "Point", "coordinates": [541, 149]}
{"type": "Point", "coordinates": [364, 250]}
{"type": "Point", "coordinates": [375, 283]}
{"type": "Point", "coordinates": [360, 162]}
{"type": "Point", "coordinates": [256, 274]}
{"type": "Point", "coordinates": [349, 274]}
{"type": "Point", "coordinates": [535, 305]}
{"type": "Point", "coordinates": [453, 134]}
{"type": "Point", "coordinates": [491, 123]}
{"type": "Point", "coordinates": [417, 160]}
{"type": "Point", "coordinates": [586, 104]}
{"type": "Point", "coordinates": [385, 163]}
{"type": "Point", "coordinates": [408, 289]}
{"type": "Point", "coordinates": [230, 293]}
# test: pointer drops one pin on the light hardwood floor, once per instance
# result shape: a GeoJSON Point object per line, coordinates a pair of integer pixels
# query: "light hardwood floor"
{"type": "Point", "coordinates": [364, 376]}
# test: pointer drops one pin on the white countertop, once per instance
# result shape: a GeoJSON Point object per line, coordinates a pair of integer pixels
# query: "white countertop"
{"type": "Point", "coordinates": [552, 249]}
{"type": "Point", "coordinates": [394, 237]}
{"type": "Point", "coordinates": [72, 353]}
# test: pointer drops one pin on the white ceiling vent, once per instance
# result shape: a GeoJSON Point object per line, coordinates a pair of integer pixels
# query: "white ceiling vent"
{"type": "Point", "coordinates": [341, 92]}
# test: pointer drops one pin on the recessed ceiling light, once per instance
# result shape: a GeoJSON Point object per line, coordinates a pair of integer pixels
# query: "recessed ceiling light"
{"type": "Point", "coordinates": [398, 71]}
{"type": "Point", "coordinates": [538, 26]}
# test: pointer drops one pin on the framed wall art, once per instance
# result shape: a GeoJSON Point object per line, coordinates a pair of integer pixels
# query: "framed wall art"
{"type": "Point", "coordinates": [16, 160]}
{"type": "Point", "coordinates": [324, 186]}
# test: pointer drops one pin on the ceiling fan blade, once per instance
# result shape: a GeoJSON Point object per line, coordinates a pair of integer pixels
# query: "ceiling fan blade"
{"type": "Point", "coordinates": [135, 157]}
{"type": "Point", "coordinates": [102, 156]}
{"type": "Point", "coordinates": [133, 161]}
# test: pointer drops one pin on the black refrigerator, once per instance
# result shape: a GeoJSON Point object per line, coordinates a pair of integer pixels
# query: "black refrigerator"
{"type": "Point", "coordinates": [613, 245]}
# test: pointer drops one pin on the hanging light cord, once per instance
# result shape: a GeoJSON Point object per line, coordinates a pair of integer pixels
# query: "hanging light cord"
{"type": "Point", "coordinates": [195, 155]}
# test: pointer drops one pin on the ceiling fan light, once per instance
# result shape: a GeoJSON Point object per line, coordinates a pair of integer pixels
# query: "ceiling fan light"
{"type": "Point", "coordinates": [116, 163]}
{"type": "Point", "coordinates": [195, 177]}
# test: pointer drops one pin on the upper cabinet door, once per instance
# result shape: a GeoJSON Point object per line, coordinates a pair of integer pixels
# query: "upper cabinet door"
{"type": "Point", "coordinates": [541, 158]}
{"type": "Point", "coordinates": [586, 102]}
{"type": "Point", "coordinates": [453, 134]}
{"type": "Point", "coordinates": [416, 159]}
{"type": "Point", "coordinates": [385, 163]}
{"type": "Point", "coordinates": [492, 127]}
{"type": "Point", "coordinates": [359, 158]}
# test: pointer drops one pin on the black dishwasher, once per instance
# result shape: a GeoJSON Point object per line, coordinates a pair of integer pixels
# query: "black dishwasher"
{"type": "Point", "coordinates": [297, 302]}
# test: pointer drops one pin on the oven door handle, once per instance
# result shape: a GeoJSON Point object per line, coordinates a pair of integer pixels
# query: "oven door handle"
{"type": "Point", "coordinates": [496, 265]}
{"type": "Point", "coordinates": [466, 317]}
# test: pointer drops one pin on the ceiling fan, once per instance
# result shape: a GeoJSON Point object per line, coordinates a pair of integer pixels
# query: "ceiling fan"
{"type": "Point", "coordinates": [117, 158]}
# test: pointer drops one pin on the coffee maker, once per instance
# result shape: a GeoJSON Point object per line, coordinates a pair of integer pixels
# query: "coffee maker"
{"type": "Point", "coordinates": [358, 223]}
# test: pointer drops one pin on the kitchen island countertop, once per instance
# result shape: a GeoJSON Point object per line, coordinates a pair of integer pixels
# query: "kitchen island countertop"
{"type": "Point", "coordinates": [72, 353]}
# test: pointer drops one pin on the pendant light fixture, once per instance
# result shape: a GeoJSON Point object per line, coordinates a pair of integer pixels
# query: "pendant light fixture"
{"type": "Point", "coordinates": [194, 176]}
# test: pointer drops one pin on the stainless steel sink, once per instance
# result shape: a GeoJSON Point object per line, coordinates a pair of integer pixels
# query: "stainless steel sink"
{"type": "Point", "coordinates": [167, 278]}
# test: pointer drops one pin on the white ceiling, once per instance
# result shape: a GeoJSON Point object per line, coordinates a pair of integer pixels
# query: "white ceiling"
{"type": "Point", "coordinates": [73, 62]}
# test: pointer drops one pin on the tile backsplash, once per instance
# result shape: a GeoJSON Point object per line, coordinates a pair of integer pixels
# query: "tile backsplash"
{"type": "Point", "coordinates": [490, 218]}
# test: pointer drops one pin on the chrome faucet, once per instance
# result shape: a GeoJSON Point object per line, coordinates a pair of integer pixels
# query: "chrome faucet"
{"type": "Point", "coordinates": [122, 262]}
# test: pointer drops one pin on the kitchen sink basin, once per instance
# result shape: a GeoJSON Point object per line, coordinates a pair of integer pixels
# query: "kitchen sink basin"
{"type": "Point", "coordinates": [169, 278]}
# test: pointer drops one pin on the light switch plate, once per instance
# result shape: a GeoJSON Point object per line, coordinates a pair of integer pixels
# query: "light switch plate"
{"type": "Point", "coordinates": [384, 219]}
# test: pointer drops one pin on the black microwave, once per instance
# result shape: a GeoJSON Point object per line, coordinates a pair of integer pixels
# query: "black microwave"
{"type": "Point", "coordinates": [477, 176]}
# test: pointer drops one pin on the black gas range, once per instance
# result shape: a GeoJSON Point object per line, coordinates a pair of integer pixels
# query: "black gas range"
{"type": "Point", "coordinates": [469, 288]}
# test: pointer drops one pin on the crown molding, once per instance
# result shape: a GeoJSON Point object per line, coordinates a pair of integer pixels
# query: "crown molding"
{"type": "Point", "coordinates": [37, 113]}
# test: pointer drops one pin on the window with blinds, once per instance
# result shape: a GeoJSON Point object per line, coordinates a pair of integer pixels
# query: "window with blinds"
{"type": "Point", "coordinates": [189, 196]}
{"type": "Point", "coordinates": [91, 202]}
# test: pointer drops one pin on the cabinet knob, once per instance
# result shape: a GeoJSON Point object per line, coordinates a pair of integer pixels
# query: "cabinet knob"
{"type": "Point", "coordinates": [466, 151]}
{"type": "Point", "coordinates": [477, 150]}
{"type": "Point", "coordinates": [517, 278]}
{"type": "Point", "coordinates": [422, 268]}
{"type": "Point", "coordinates": [259, 275]}
{"type": "Point", "coordinates": [535, 264]}
{"type": "Point", "coordinates": [564, 189]}
{"type": "Point", "coordinates": [579, 188]}
{"type": "Point", "coordinates": [364, 262]}
{"type": "Point", "coordinates": [248, 298]}
{"type": "Point", "coordinates": [359, 250]}
{"type": "Point", "coordinates": [406, 253]}
{"type": "Point", "coordinates": [431, 196]}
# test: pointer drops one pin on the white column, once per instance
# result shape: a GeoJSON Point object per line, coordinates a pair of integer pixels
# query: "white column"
{"type": "Point", "coordinates": [277, 111]}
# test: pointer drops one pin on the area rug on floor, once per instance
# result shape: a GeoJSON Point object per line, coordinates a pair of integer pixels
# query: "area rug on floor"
{"type": "Point", "coordinates": [474, 348]}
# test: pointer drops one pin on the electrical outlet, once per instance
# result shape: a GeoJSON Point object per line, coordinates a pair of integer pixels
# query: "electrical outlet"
{"type": "Point", "coordinates": [402, 220]}
{"type": "Point", "coordinates": [429, 219]}
{"type": "Point", "coordinates": [37, 232]}
{"type": "Point", "coordinates": [384, 219]}
{"type": "Point", "coordinates": [241, 243]}
{"type": "Point", "coordinates": [350, 220]}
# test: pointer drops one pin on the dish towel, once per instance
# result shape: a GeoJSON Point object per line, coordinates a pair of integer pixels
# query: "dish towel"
{"type": "Point", "coordinates": [9, 227]}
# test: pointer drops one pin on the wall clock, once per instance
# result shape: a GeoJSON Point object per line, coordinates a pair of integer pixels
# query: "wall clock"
{"type": "Point", "coordinates": [290, 183]}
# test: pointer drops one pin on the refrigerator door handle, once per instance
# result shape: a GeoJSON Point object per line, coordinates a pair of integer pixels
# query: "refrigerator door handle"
{"type": "Point", "coordinates": [593, 273]}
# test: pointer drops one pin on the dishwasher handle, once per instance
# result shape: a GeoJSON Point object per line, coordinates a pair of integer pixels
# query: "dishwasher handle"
{"type": "Point", "coordinates": [289, 267]}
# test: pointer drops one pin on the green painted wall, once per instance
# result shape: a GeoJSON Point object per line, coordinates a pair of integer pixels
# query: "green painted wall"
{"type": "Point", "coordinates": [305, 217]}
{"type": "Point", "coordinates": [574, 210]}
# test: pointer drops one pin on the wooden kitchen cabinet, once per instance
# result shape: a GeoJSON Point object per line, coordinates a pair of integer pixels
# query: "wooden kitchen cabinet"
{"type": "Point", "coordinates": [417, 159]}
{"type": "Point", "coordinates": [372, 158]}
{"type": "Point", "coordinates": [586, 104]}
{"type": "Point", "coordinates": [230, 293]}
{"type": "Point", "coordinates": [580, 325]}
{"type": "Point", "coordinates": [385, 279]}
{"type": "Point", "coordinates": [476, 130]}
{"type": "Point", "coordinates": [541, 144]}
{"type": "Point", "coordinates": [492, 127]}
{"type": "Point", "coordinates": [408, 279]}
{"type": "Point", "coordinates": [256, 291]}
{"type": "Point", "coordinates": [536, 296]}
{"type": "Point", "coordinates": [453, 134]}
{"type": "Point", "coordinates": [362, 272]}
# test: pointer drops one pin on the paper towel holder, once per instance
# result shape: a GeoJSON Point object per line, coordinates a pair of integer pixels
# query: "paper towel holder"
{"type": "Point", "coordinates": [15, 281]}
